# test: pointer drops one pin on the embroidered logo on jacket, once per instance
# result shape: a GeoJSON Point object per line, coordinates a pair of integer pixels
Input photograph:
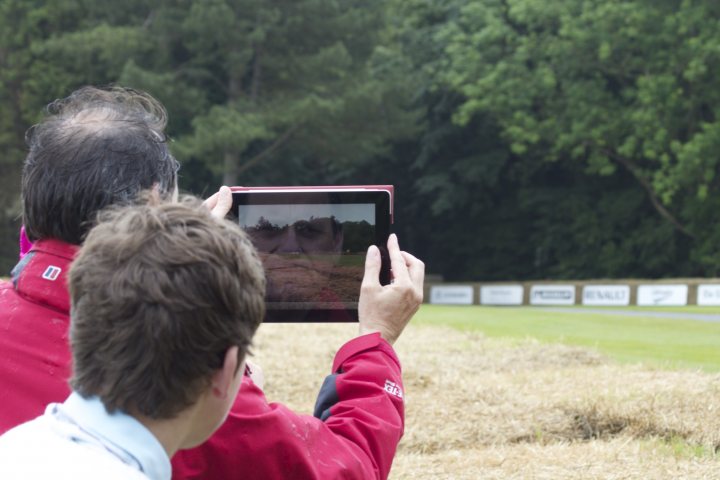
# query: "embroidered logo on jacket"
{"type": "Point", "coordinates": [51, 273]}
{"type": "Point", "coordinates": [393, 389]}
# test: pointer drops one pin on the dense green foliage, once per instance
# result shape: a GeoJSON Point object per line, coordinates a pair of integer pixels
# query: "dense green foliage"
{"type": "Point", "coordinates": [526, 139]}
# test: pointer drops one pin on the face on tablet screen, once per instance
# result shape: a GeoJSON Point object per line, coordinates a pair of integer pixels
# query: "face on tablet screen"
{"type": "Point", "coordinates": [312, 253]}
{"type": "Point", "coordinates": [312, 242]}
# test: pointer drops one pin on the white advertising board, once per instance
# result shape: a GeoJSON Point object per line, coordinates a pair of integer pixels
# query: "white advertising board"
{"type": "Point", "coordinates": [662, 295]}
{"type": "Point", "coordinates": [501, 294]}
{"type": "Point", "coordinates": [708, 295]}
{"type": "Point", "coordinates": [606, 295]}
{"type": "Point", "coordinates": [552, 295]}
{"type": "Point", "coordinates": [451, 294]}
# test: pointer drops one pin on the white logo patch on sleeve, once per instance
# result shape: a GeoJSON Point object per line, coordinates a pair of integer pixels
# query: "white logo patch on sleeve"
{"type": "Point", "coordinates": [51, 273]}
{"type": "Point", "coordinates": [393, 389]}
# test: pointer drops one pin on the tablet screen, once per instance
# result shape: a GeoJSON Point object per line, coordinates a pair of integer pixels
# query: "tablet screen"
{"type": "Point", "coordinates": [313, 250]}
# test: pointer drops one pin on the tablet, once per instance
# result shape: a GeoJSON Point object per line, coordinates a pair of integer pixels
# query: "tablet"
{"type": "Point", "coordinates": [312, 242]}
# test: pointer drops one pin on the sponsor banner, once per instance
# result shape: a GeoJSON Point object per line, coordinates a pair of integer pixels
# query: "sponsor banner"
{"type": "Point", "coordinates": [552, 295]}
{"type": "Point", "coordinates": [662, 295]}
{"type": "Point", "coordinates": [451, 295]}
{"type": "Point", "coordinates": [501, 294]}
{"type": "Point", "coordinates": [708, 295]}
{"type": "Point", "coordinates": [606, 295]}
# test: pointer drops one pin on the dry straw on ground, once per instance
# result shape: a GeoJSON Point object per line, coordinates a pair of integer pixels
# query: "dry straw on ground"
{"type": "Point", "coordinates": [485, 408]}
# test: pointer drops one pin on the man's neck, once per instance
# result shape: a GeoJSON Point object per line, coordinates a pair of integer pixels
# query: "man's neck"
{"type": "Point", "coordinates": [174, 433]}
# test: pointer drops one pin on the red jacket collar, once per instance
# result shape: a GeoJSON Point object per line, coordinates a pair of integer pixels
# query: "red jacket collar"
{"type": "Point", "coordinates": [56, 247]}
{"type": "Point", "coordinates": [40, 277]}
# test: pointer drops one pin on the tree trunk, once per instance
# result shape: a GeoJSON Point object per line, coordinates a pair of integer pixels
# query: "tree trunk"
{"type": "Point", "coordinates": [230, 171]}
{"type": "Point", "coordinates": [257, 75]}
{"type": "Point", "coordinates": [231, 158]}
{"type": "Point", "coordinates": [647, 186]}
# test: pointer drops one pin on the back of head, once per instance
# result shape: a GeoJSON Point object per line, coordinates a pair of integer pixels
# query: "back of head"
{"type": "Point", "coordinates": [93, 149]}
{"type": "Point", "coordinates": [159, 294]}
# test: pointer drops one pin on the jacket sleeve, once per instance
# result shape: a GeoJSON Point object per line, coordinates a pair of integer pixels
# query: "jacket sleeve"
{"type": "Point", "coordinates": [354, 433]}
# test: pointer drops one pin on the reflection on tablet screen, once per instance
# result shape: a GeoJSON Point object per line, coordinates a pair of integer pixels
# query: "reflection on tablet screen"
{"type": "Point", "coordinates": [313, 254]}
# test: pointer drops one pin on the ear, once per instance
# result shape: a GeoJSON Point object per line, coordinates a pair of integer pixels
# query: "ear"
{"type": "Point", "coordinates": [222, 379]}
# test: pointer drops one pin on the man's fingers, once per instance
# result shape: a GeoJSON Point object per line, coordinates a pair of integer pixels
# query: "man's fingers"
{"type": "Point", "coordinates": [372, 268]}
{"type": "Point", "coordinates": [397, 262]}
{"type": "Point", "coordinates": [220, 202]}
{"type": "Point", "coordinates": [224, 203]}
{"type": "Point", "coordinates": [416, 269]}
{"type": "Point", "coordinates": [211, 201]}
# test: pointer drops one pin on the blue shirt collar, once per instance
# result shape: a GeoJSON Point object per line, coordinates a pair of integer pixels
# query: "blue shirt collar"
{"type": "Point", "coordinates": [120, 433]}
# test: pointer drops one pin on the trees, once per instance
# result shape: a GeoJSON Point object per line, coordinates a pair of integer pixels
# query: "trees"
{"type": "Point", "coordinates": [596, 91]}
{"type": "Point", "coordinates": [305, 81]}
{"type": "Point", "coordinates": [271, 92]}
{"type": "Point", "coordinates": [527, 139]}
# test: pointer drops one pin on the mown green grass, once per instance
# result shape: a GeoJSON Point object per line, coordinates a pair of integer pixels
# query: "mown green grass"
{"type": "Point", "coordinates": [686, 309]}
{"type": "Point", "coordinates": [669, 343]}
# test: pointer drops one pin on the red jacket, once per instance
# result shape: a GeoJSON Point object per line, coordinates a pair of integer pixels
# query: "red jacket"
{"type": "Point", "coordinates": [357, 423]}
{"type": "Point", "coordinates": [34, 349]}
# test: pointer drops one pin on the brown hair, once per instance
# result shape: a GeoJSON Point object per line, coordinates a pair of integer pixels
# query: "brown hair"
{"type": "Point", "coordinates": [159, 293]}
{"type": "Point", "coordinates": [95, 148]}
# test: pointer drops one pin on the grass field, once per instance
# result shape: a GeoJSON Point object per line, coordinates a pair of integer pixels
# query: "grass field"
{"type": "Point", "coordinates": [518, 393]}
{"type": "Point", "coordinates": [665, 342]}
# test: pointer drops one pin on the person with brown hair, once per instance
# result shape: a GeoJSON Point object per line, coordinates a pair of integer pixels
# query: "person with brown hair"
{"type": "Point", "coordinates": [165, 301]}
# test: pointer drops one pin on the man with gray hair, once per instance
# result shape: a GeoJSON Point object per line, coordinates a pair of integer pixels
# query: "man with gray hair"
{"type": "Point", "coordinates": [102, 147]}
{"type": "Point", "coordinates": [94, 148]}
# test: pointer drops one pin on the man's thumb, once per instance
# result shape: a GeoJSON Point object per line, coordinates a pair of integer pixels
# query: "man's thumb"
{"type": "Point", "coordinates": [224, 202]}
{"type": "Point", "coordinates": [372, 267]}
